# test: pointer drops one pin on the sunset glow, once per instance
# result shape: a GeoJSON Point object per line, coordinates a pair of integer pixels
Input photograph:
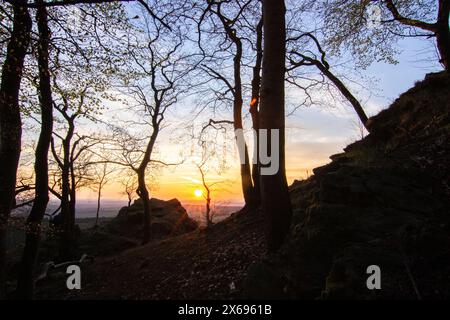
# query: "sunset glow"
{"type": "Point", "coordinates": [198, 193]}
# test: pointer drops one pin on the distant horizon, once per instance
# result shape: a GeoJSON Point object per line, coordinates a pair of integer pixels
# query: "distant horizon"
{"type": "Point", "coordinates": [125, 201]}
{"type": "Point", "coordinates": [109, 208]}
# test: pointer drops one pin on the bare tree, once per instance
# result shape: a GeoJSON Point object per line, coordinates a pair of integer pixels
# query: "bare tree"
{"type": "Point", "coordinates": [205, 163]}
{"type": "Point", "coordinates": [235, 23]}
{"type": "Point", "coordinates": [71, 105]}
{"type": "Point", "coordinates": [101, 178]}
{"type": "Point", "coordinates": [207, 196]}
{"type": "Point", "coordinates": [24, 195]}
{"type": "Point", "coordinates": [129, 184]}
{"type": "Point", "coordinates": [159, 81]}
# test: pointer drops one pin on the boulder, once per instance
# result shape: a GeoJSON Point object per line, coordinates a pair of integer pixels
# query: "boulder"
{"type": "Point", "coordinates": [169, 218]}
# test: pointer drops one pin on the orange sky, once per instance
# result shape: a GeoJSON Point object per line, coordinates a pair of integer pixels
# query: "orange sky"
{"type": "Point", "coordinates": [304, 152]}
{"type": "Point", "coordinates": [312, 135]}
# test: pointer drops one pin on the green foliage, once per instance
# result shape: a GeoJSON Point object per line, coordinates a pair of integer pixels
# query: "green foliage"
{"type": "Point", "coordinates": [347, 28]}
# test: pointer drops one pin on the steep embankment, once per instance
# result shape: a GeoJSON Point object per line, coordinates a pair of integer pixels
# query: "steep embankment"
{"type": "Point", "coordinates": [384, 201]}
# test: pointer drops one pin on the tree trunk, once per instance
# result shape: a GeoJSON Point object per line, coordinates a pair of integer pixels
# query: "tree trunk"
{"type": "Point", "coordinates": [145, 198]}
{"type": "Point", "coordinates": [443, 33]}
{"type": "Point", "coordinates": [129, 199]}
{"type": "Point", "coordinates": [275, 197]}
{"type": "Point", "coordinates": [25, 286]}
{"type": "Point", "coordinates": [208, 210]}
{"type": "Point", "coordinates": [72, 206]}
{"type": "Point", "coordinates": [99, 195]}
{"type": "Point", "coordinates": [143, 191]}
{"type": "Point", "coordinates": [256, 85]}
{"type": "Point", "coordinates": [10, 122]}
{"type": "Point", "coordinates": [207, 198]}
{"type": "Point", "coordinates": [246, 177]}
{"type": "Point", "coordinates": [66, 244]}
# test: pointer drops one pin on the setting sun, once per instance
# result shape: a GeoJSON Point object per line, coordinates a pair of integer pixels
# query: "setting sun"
{"type": "Point", "coordinates": [198, 193]}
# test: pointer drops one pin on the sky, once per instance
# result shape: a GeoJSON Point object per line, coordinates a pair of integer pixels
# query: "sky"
{"type": "Point", "coordinates": [313, 134]}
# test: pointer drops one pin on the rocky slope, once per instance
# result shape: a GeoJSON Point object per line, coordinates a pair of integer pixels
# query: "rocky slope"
{"type": "Point", "coordinates": [384, 201]}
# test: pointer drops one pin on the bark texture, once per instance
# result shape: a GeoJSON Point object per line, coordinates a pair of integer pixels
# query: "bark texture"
{"type": "Point", "coordinates": [275, 197]}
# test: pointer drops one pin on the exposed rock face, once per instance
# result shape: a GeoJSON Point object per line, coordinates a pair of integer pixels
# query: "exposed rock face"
{"type": "Point", "coordinates": [169, 218]}
{"type": "Point", "coordinates": [385, 202]}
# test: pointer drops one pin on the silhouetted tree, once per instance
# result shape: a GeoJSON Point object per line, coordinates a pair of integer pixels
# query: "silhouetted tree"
{"type": "Point", "coordinates": [101, 178]}
{"type": "Point", "coordinates": [207, 196]}
{"type": "Point", "coordinates": [10, 121]}
{"type": "Point", "coordinates": [310, 59]}
{"type": "Point", "coordinates": [275, 199]}
{"type": "Point", "coordinates": [129, 184]}
{"type": "Point", "coordinates": [254, 108]}
{"type": "Point", "coordinates": [155, 84]}
{"type": "Point", "coordinates": [236, 22]}
{"type": "Point", "coordinates": [25, 286]}
{"type": "Point", "coordinates": [72, 105]}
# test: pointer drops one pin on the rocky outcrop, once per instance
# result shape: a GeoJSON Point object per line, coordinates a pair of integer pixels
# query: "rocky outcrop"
{"type": "Point", "coordinates": [169, 218]}
{"type": "Point", "coordinates": [385, 201]}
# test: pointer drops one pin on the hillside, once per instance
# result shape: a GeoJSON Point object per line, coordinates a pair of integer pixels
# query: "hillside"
{"type": "Point", "coordinates": [384, 201]}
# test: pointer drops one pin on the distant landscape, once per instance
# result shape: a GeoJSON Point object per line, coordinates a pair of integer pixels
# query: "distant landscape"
{"type": "Point", "coordinates": [109, 208]}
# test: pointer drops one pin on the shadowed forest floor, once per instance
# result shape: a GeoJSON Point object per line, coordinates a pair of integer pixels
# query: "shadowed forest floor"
{"type": "Point", "coordinates": [202, 264]}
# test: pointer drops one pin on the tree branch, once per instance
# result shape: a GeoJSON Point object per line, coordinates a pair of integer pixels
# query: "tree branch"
{"type": "Point", "coordinates": [407, 21]}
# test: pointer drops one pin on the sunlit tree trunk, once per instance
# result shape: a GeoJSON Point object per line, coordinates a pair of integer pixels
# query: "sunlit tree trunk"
{"type": "Point", "coordinates": [254, 112]}
{"type": "Point", "coordinates": [10, 122]}
{"type": "Point", "coordinates": [25, 287]}
{"type": "Point", "coordinates": [275, 197]}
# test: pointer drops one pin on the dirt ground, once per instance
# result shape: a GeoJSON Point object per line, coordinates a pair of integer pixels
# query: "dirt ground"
{"type": "Point", "coordinates": [204, 264]}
